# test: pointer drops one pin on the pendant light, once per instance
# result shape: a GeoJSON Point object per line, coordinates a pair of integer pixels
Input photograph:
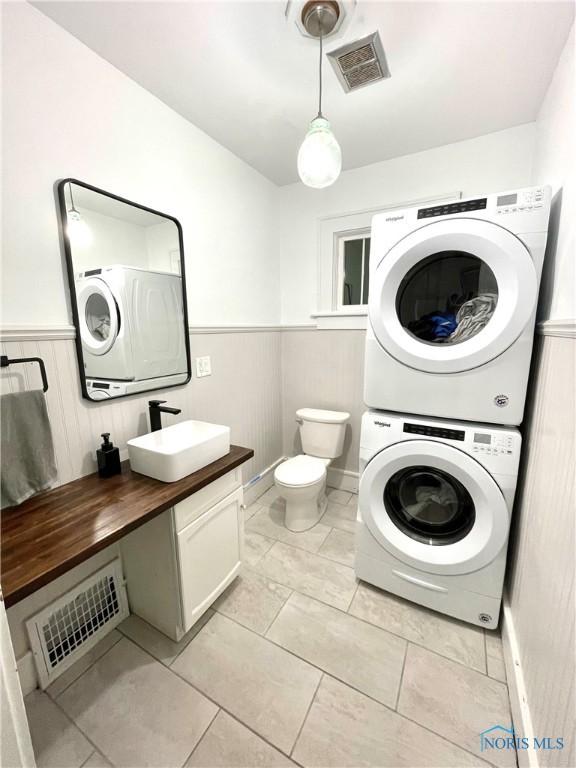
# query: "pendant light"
{"type": "Point", "coordinates": [319, 156]}
{"type": "Point", "coordinates": [78, 231]}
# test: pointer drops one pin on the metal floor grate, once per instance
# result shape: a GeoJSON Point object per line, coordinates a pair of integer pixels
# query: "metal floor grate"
{"type": "Point", "coordinates": [67, 628]}
{"type": "Point", "coordinates": [70, 626]}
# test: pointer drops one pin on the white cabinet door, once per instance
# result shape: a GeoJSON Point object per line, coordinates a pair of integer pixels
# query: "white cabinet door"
{"type": "Point", "coordinates": [210, 555]}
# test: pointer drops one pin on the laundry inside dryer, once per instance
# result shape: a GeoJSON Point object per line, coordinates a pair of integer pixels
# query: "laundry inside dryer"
{"type": "Point", "coordinates": [447, 297]}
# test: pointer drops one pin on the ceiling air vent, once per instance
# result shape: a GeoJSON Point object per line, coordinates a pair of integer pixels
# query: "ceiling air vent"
{"type": "Point", "coordinates": [360, 63]}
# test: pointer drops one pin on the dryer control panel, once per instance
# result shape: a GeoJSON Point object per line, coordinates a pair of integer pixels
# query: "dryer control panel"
{"type": "Point", "coordinates": [521, 201]}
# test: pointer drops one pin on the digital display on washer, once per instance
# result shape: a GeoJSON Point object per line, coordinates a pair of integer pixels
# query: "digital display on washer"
{"type": "Point", "coordinates": [445, 210]}
{"type": "Point", "coordinates": [100, 385]}
{"type": "Point", "coordinates": [507, 199]}
{"type": "Point", "coordinates": [485, 439]}
{"type": "Point", "coordinates": [423, 429]}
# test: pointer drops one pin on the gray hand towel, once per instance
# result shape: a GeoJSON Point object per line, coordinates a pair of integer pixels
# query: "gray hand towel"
{"type": "Point", "coordinates": [28, 464]}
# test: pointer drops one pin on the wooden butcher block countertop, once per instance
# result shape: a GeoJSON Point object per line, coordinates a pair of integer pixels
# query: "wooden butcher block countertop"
{"type": "Point", "coordinates": [54, 531]}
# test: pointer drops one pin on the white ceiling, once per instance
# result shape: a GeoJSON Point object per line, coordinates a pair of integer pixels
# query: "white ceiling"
{"type": "Point", "coordinates": [242, 73]}
{"type": "Point", "coordinates": [88, 200]}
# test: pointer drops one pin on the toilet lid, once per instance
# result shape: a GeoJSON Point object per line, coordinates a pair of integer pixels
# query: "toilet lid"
{"type": "Point", "coordinates": [300, 470]}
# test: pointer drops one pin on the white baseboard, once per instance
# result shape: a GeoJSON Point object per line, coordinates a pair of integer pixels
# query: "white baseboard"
{"type": "Point", "coordinates": [259, 484]}
{"type": "Point", "coordinates": [27, 673]}
{"type": "Point", "coordinates": [527, 758]}
{"type": "Point", "coordinates": [343, 479]}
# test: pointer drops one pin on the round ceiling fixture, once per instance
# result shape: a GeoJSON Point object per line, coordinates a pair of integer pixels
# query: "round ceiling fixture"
{"type": "Point", "coordinates": [319, 17]}
{"type": "Point", "coordinates": [320, 157]}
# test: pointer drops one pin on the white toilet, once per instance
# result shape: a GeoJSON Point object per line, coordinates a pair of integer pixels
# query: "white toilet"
{"type": "Point", "coordinates": [301, 480]}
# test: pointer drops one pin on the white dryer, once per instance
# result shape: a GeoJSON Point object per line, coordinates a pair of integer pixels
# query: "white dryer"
{"type": "Point", "coordinates": [434, 511]}
{"type": "Point", "coordinates": [452, 306]}
{"type": "Point", "coordinates": [131, 323]}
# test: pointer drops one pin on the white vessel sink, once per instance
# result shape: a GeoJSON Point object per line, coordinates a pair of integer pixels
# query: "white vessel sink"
{"type": "Point", "coordinates": [174, 452]}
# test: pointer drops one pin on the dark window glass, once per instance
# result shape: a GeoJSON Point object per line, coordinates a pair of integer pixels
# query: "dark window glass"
{"type": "Point", "coordinates": [447, 298]}
{"type": "Point", "coordinates": [429, 505]}
{"type": "Point", "coordinates": [356, 271]}
{"type": "Point", "coordinates": [352, 272]}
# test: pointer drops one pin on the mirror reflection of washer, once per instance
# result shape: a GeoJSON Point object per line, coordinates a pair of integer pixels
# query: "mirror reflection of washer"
{"type": "Point", "coordinates": [452, 306]}
{"type": "Point", "coordinates": [131, 325]}
{"type": "Point", "coordinates": [434, 511]}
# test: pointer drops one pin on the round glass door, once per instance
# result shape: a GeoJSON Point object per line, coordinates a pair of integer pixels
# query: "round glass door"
{"type": "Point", "coordinates": [447, 298]}
{"type": "Point", "coordinates": [452, 295]}
{"type": "Point", "coordinates": [429, 505]}
{"type": "Point", "coordinates": [98, 315]}
{"type": "Point", "coordinates": [433, 507]}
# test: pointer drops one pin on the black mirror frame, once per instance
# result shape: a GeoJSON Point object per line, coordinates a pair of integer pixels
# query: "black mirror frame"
{"type": "Point", "coordinates": [65, 244]}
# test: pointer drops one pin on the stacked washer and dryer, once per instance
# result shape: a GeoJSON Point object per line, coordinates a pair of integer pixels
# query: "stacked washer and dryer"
{"type": "Point", "coordinates": [452, 307]}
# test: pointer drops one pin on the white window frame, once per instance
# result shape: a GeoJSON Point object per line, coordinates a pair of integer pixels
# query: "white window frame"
{"type": "Point", "coordinates": [330, 313]}
{"type": "Point", "coordinates": [341, 239]}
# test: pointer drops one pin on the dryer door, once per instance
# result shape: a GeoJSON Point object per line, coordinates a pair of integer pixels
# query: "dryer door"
{"type": "Point", "coordinates": [452, 295]}
{"type": "Point", "coordinates": [98, 315]}
{"type": "Point", "coordinates": [433, 507]}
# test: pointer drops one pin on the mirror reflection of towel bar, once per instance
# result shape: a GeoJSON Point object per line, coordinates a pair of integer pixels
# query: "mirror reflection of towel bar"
{"type": "Point", "coordinates": [5, 362]}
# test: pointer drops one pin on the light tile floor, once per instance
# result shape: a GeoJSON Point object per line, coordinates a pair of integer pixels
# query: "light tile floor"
{"type": "Point", "coordinates": [297, 663]}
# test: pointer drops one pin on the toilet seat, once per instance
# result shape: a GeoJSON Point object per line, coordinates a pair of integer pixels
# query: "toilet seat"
{"type": "Point", "coordinates": [300, 471]}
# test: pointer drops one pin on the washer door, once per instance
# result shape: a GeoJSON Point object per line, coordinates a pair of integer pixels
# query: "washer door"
{"type": "Point", "coordinates": [433, 507]}
{"type": "Point", "coordinates": [452, 295]}
{"type": "Point", "coordinates": [98, 315]}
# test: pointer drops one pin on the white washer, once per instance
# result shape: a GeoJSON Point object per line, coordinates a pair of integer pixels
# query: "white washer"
{"type": "Point", "coordinates": [131, 323]}
{"type": "Point", "coordinates": [452, 306]}
{"type": "Point", "coordinates": [434, 511]}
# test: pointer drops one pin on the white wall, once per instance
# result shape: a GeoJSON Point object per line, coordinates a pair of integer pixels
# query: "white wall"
{"type": "Point", "coordinates": [486, 164]}
{"type": "Point", "coordinates": [540, 621]}
{"type": "Point", "coordinates": [67, 112]}
{"type": "Point", "coordinates": [555, 164]}
{"type": "Point", "coordinates": [111, 241]}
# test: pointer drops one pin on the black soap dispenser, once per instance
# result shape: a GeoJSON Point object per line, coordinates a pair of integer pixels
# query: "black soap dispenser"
{"type": "Point", "coordinates": [108, 458]}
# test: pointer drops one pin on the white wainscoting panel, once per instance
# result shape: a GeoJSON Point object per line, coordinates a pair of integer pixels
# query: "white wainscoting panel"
{"type": "Point", "coordinates": [541, 594]}
{"type": "Point", "coordinates": [323, 369]}
{"type": "Point", "coordinates": [244, 392]}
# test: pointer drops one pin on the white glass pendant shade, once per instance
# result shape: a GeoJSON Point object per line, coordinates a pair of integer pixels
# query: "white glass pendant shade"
{"type": "Point", "coordinates": [78, 231]}
{"type": "Point", "coordinates": [319, 157]}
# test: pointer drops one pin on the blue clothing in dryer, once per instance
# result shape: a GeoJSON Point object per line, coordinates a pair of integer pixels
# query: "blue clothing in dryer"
{"type": "Point", "coordinates": [434, 326]}
{"type": "Point", "coordinates": [444, 324]}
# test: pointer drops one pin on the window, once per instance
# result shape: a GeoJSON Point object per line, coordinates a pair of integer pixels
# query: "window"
{"type": "Point", "coordinates": [353, 269]}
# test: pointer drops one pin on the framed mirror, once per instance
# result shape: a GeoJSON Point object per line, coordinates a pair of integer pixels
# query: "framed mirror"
{"type": "Point", "coordinates": [127, 285]}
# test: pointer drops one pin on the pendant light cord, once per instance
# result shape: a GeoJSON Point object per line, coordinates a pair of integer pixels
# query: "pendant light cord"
{"type": "Point", "coordinates": [320, 11]}
{"type": "Point", "coordinates": [71, 198]}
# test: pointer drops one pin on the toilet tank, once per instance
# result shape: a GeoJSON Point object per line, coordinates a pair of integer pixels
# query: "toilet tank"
{"type": "Point", "coordinates": [322, 432]}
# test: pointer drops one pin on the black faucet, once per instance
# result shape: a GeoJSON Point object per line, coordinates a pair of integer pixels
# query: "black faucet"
{"type": "Point", "coordinates": [156, 410]}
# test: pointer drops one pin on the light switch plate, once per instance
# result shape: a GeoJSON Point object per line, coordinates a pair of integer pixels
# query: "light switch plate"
{"type": "Point", "coordinates": [203, 366]}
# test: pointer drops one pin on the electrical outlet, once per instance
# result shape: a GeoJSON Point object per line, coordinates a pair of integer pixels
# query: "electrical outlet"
{"type": "Point", "coordinates": [203, 366]}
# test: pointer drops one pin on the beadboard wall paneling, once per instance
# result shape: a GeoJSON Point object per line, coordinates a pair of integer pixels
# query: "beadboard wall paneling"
{"type": "Point", "coordinates": [323, 369]}
{"type": "Point", "coordinates": [541, 561]}
{"type": "Point", "coordinates": [244, 392]}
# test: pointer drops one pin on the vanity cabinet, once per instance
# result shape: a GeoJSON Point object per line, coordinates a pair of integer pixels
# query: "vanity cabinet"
{"type": "Point", "coordinates": [177, 564]}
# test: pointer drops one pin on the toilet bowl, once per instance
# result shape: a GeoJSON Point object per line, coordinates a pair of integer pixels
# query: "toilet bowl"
{"type": "Point", "coordinates": [301, 480]}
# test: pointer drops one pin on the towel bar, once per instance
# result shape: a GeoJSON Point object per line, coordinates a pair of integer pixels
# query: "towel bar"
{"type": "Point", "coordinates": [5, 362]}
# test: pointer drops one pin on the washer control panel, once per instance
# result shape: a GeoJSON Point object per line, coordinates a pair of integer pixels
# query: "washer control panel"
{"type": "Point", "coordinates": [431, 431]}
{"type": "Point", "coordinates": [522, 201]}
{"type": "Point", "coordinates": [486, 443]}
